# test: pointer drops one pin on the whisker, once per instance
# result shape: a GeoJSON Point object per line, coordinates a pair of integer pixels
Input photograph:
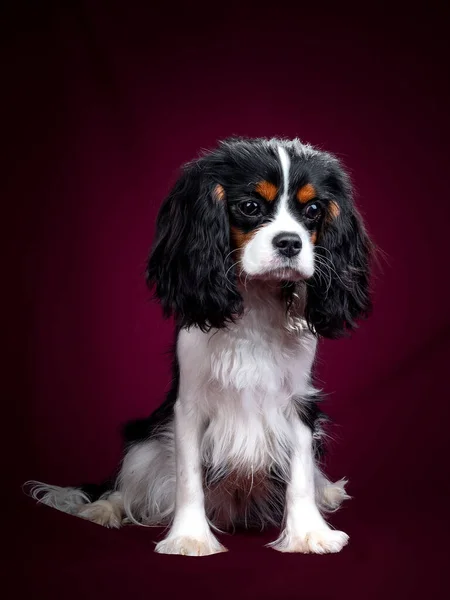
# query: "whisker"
{"type": "Point", "coordinates": [326, 263]}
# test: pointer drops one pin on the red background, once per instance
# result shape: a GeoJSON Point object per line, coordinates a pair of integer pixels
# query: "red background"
{"type": "Point", "coordinates": [102, 104]}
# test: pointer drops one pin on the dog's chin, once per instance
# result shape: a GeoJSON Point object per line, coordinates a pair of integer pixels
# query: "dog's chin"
{"type": "Point", "coordinates": [285, 274]}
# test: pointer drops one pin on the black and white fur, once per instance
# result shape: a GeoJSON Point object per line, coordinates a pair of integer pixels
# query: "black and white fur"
{"type": "Point", "coordinates": [238, 440]}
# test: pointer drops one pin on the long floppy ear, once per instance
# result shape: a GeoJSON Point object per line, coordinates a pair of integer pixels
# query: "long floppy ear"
{"type": "Point", "coordinates": [190, 265]}
{"type": "Point", "coordinates": [338, 293]}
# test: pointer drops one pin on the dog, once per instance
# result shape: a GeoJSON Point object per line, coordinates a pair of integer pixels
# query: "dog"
{"type": "Point", "coordinates": [259, 252]}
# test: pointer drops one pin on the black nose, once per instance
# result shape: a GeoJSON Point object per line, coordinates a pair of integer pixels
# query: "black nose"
{"type": "Point", "coordinates": [287, 244]}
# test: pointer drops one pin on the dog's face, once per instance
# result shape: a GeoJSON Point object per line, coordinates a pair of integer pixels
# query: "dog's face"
{"type": "Point", "coordinates": [274, 210]}
{"type": "Point", "coordinates": [277, 208]}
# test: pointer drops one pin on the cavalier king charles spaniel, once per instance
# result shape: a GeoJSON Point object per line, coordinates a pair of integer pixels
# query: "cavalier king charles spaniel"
{"type": "Point", "coordinates": [259, 251]}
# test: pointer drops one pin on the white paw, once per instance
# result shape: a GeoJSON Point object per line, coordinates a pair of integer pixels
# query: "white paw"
{"type": "Point", "coordinates": [320, 541]}
{"type": "Point", "coordinates": [190, 546]}
{"type": "Point", "coordinates": [102, 513]}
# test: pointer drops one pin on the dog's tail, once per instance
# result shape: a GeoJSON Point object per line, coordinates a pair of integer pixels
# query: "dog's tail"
{"type": "Point", "coordinates": [97, 503]}
{"type": "Point", "coordinates": [65, 499]}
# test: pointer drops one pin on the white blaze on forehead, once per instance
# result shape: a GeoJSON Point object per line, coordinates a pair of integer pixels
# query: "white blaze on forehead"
{"type": "Point", "coordinates": [283, 217]}
{"type": "Point", "coordinates": [285, 167]}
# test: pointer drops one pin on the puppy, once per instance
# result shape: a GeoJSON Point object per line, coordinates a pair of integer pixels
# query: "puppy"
{"type": "Point", "coordinates": [259, 251]}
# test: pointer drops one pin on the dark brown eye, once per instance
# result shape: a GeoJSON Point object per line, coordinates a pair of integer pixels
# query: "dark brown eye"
{"type": "Point", "coordinates": [313, 212]}
{"type": "Point", "coordinates": [249, 208]}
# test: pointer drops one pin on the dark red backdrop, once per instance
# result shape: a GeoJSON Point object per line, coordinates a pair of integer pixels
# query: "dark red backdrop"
{"type": "Point", "coordinates": [102, 106]}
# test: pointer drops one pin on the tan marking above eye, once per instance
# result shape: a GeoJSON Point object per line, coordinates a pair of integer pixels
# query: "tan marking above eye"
{"type": "Point", "coordinates": [333, 211]}
{"type": "Point", "coordinates": [218, 193]}
{"type": "Point", "coordinates": [306, 193]}
{"type": "Point", "coordinates": [267, 190]}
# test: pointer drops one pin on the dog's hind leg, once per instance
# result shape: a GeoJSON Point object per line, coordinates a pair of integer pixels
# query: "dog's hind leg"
{"type": "Point", "coordinates": [107, 511]}
{"type": "Point", "coordinates": [329, 495]}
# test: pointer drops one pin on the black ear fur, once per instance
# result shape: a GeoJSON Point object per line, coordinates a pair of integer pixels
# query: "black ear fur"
{"type": "Point", "coordinates": [340, 295]}
{"type": "Point", "coordinates": [190, 265]}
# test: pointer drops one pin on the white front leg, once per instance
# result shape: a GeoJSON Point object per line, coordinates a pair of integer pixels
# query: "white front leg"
{"type": "Point", "coordinates": [190, 533]}
{"type": "Point", "coordinates": [305, 529]}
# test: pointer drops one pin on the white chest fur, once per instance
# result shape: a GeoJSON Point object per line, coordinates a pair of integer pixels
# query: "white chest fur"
{"type": "Point", "coordinates": [241, 382]}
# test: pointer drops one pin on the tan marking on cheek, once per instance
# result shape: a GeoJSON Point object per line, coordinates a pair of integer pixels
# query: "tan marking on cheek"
{"type": "Point", "coordinates": [333, 211]}
{"type": "Point", "coordinates": [219, 193]}
{"type": "Point", "coordinates": [267, 190]}
{"type": "Point", "coordinates": [313, 237]}
{"type": "Point", "coordinates": [306, 193]}
{"type": "Point", "coordinates": [241, 238]}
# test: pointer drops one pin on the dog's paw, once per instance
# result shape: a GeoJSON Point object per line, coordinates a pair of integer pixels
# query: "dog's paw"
{"type": "Point", "coordinates": [190, 546]}
{"type": "Point", "coordinates": [101, 512]}
{"type": "Point", "coordinates": [321, 541]}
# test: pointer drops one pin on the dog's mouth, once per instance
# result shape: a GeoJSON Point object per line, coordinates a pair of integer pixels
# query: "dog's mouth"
{"type": "Point", "coordinates": [280, 274]}
{"type": "Point", "coordinates": [285, 274]}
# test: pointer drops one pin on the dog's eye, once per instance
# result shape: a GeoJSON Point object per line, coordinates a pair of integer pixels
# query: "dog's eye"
{"type": "Point", "coordinates": [313, 212]}
{"type": "Point", "coordinates": [249, 208]}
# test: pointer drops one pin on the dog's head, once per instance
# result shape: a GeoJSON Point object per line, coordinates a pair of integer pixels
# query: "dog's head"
{"type": "Point", "coordinates": [272, 210]}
